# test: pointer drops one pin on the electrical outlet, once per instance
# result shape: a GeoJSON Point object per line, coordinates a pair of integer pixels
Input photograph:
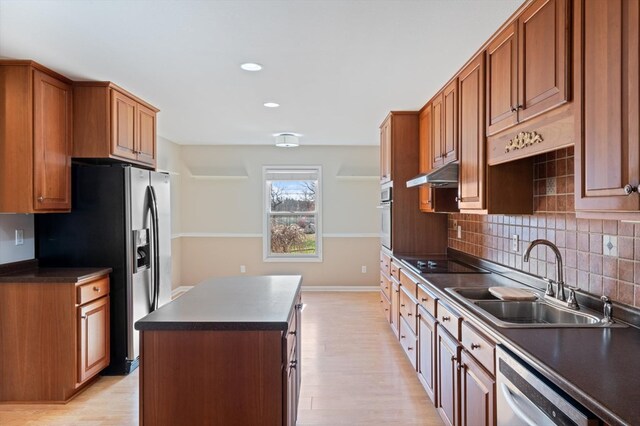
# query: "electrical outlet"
{"type": "Point", "coordinates": [364, 269]}
{"type": "Point", "coordinates": [515, 240]}
{"type": "Point", "coordinates": [19, 237]}
{"type": "Point", "coordinates": [455, 224]}
{"type": "Point", "coordinates": [243, 269]}
{"type": "Point", "coordinates": [459, 228]}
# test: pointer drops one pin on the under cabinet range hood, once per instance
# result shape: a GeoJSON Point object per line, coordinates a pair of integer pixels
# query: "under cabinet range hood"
{"type": "Point", "coordinates": [442, 177]}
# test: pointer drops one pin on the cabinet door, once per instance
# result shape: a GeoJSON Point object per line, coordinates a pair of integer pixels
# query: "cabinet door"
{"type": "Point", "coordinates": [395, 305]}
{"type": "Point", "coordinates": [543, 57]}
{"type": "Point", "coordinates": [438, 132]}
{"type": "Point", "coordinates": [427, 353]}
{"type": "Point", "coordinates": [146, 140]}
{"type": "Point", "coordinates": [51, 143]}
{"type": "Point", "coordinates": [448, 377]}
{"type": "Point", "coordinates": [472, 135]}
{"type": "Point", "coordinates": [93, 338]}
{"type": "Point", "coordinates": [123, 125]}
{"type": "Point", "coordinates": [450, 122]}
{"type": "Point", "coordinates": [385, 151]}
{"type": "Point", "coordinates": [425, 135]}
{"type": "Point", "coordinates": [477, 394]}
{"type": "Point", "coordinates": [607, 154]}
{"type": "Point", "coordinates": [502, 81]}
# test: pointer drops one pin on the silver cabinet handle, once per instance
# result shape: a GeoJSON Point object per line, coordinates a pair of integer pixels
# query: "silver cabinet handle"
{"type": "Point", "coordinates": [630, 189]}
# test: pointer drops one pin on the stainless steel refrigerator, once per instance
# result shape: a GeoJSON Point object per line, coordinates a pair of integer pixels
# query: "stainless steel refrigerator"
{"type": "Point", "coordinates": [120, 218]}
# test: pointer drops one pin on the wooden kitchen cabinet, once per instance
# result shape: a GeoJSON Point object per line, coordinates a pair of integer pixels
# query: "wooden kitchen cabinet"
{"type": "Point", "coordinates": [477, 394]}
{"type": "Point", "coordinates": [448, 353]}
{"type": "Point", "coordinates": [607, 88]}
{"type": "Point", "coordinates": [59, 330]}
{"type": "Point", "coordinates": [385, 150]}
{"type": "Point", "coordinates": [444, 144]}
{"type": "Point", "coordinates": [528, 65]}
{"type": "Point", "coordinates": [111, 123]}
{"type": "Point", "coordinates": [427, 352]}
{"type": "Point", "coordinates": [36, 137]}
{"type": "Point", "coordinates": [394, 317]}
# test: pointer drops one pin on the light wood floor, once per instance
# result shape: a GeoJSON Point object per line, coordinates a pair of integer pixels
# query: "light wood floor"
{"type": "Point", "coordinates": [353, 373]}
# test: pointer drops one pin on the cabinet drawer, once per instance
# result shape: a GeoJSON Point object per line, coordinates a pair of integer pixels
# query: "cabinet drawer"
{"type": "Point", "coordinates": [92, 290]}
{"type": "Point", "coordinates": [394, 270]}
{"type": "Point", "coordinates": [386, 306]}
{"type": "Point", "coordinates": [385, 263]}
{"type": "Point", "coordinates": [408, 341]}
{"type": "Point", "coordinates": [410, 283]}
{"type": "Point", "coordinates": [481, 348]}
{"type": "Point", "coordinates": [408, 309]}
{"type": "Point", "coordinates": [449, 319]}
{"type": "Point", "coordinates": [427, 300]}
{"type": "Point", "coordinates": [292, 333]}
{"type": "Point", "coordinates": [385, 285]}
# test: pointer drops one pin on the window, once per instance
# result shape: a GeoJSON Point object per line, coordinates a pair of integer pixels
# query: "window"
{"type": "Point", "coordinates": [292, 230]}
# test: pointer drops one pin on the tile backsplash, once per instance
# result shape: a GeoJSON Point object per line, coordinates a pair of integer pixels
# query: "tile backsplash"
{"type": "Point", "coordinates": [600, 256]}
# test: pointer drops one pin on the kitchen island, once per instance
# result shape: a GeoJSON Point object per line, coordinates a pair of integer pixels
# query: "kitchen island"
{"type": "Point", "coordinates": [227, 352]}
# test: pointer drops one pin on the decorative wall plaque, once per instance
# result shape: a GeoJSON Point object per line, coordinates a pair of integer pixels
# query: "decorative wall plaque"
{"type": "Point", "coordinates": [523, 140]}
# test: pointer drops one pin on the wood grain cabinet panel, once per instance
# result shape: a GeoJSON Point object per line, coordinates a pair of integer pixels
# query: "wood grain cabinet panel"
{"type": "Point", "coordinates": [427, 352]}
{"type": "Point", "coordinates": [448, 353]}
{"type": "Point", "coordinates": [477, 394]}
{"type": "Point", "coordinates": [425, 135]}
{"type": "Point", "coordinates": [111, 123]}
{"type": "Point", "coordinates": [385, 150]}
{"type": "Point", "coordinates": [93, 338]}
{"type": "Point", "coordinates": [528, 65]}
{"type": "Point", "coordinates": [51, 346]}
{"type": "Point", "coordinates": [450, 122]}
{"type": "Point", "coordinates": [607, 152]}
{"type": "Point", "coordinates": [437, 154]}
{"type": "Point", "coordinates": [35, 139]}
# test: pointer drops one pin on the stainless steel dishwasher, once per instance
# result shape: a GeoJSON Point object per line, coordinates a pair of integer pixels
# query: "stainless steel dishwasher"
{"type": "Point", "coordinates": [525, 398]}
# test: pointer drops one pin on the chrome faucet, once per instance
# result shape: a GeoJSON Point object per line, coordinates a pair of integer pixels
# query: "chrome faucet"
{"type": "Point", "coordinates": [559, 279]}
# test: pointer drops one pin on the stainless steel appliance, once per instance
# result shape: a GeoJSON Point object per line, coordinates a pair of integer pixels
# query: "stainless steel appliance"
{"type": "Point", "coordinates": [440, 265]}
{"type": "Point", "coordinates": [525, 398]}
{"type": "Point", "coordinates": [385, 209]}
{"type": "Point", "coordinates": [120, 218]}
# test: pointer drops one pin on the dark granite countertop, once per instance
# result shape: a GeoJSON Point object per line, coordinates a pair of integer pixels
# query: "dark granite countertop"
{"type": "Point", "coordinates": [229, 303]}
{"type": "Point", "coordinates": [595, 366]}
{"type": "Point", "coordinates": [30, 272]}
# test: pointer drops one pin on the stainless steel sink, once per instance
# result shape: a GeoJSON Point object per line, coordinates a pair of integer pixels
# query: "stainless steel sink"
{"type": "Point", "coordinates": [540, 313]}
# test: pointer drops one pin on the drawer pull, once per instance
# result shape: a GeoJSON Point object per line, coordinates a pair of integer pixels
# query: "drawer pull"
{"type": "Point", "coordinates": [409, 348]}
{"type": "Point", "coordinates": [409, 314]}
{"type": "Point", "coordinates": [444, 319]}
{"type": "Point", "coordinates": [453, 358]}
{"type": "Point", "coordinates": [83, 316]}
{"type": "Point", "coordinates": [425, 299]}
{"type": "Point", "coordinates": [96, 289]}
{"type": "Point", "coordinates": [397, 291]}
{"type": "Point", "coordinates": [386, 309]}
{"type": "Point", "coordinates": [294, 333]}
{"type": "Point", "coordinates": [402, 337]}
{"type": "Point", "coordinates": [475, 346]}
{"type": "Point", "coordinates": [293, 363]}
{"type": "Point", "coordinates": [402, 305]}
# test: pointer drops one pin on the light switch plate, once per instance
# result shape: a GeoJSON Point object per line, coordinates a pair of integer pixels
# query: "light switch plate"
{"type": "Point", "coordinates": [243, 269]}
{"type": "Point", "coordinates": [19, 237]}
{"type": "Point", "coordinates": [364, 269]}
{"type": "Point", "coordinates": [610, 245]}
{"type": "Point", "coordinates": [515, 241]}
{"type": "Point", "coordinates": [459, 232]}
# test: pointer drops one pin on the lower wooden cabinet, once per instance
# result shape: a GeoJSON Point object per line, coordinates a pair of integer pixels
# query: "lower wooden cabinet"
{"type": "Point", "coordinates": [54, 337]}
{"type": "Point", "coordinates": [448, 353]}
{"type": "Point", "coordinates": [409, 342]}
{"type": "Point", "coordinates": [477, 393]}
{"type": "Point", "coordinates": [394, 317]}
{"type": "Point", "coordinates": [427, 352]}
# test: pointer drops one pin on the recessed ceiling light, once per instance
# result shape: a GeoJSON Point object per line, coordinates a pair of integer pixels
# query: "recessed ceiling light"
{"type": "Point", "coordinates": [288, 133]}
{"type": "Point", "coordinates": [250, 66]}
{"type": "Point", "coordinates": [271, 105]}
{"type": "Point", "coordinates": [287, 140]}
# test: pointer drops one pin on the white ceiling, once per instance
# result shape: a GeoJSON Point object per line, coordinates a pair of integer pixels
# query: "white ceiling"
{"type": "Point", "coordinates": [335, 66]}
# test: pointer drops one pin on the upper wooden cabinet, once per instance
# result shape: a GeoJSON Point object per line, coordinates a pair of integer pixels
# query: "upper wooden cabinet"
{"type": "Point", "coordinates": [35, 139]}
{"type": "Point", "coordinates": [112, 123]}
{"type": "Point", "coordinates": [444, 142]}
{"type": "Point", "coordinates": [385, 150]}
{"type": "Point", "coordinates": [425, 134]}
{"type": "Point", "coordinates": [528, 65]}
{"type": "Point", "coordinates": [607, 88]}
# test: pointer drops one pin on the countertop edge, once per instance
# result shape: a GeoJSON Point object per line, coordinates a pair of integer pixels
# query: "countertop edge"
{"type": "Point", "coordinates": [31, 276]}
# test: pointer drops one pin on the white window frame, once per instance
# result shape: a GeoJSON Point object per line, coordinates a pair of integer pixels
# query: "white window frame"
{"type": "Point", "coordinates": [266, 214]}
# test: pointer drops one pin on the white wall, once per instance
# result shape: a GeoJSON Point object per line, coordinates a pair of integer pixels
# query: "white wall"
{"type": "Point", "coordinates": [219, 213]}
{"type": "Point", "coordinates": [9, 252]}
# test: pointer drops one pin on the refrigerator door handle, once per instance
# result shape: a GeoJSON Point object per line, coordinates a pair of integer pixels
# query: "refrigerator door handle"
{"type": "Point", "coordinates": [153, 207]}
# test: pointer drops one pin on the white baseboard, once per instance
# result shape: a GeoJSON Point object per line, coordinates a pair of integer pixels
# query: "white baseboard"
{"type": "Point", "coordinates": [178, 291]}
{"type": "Point", "coordinates": [362, 288]}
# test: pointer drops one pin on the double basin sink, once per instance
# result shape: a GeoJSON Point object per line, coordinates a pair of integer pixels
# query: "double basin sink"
{"type": "Point", "coordinates": [539, 313]}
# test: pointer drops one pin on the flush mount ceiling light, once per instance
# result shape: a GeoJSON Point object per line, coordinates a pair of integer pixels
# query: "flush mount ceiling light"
{"type": "Point", "coordinates": [251, 66]}
{"type": "Point", "coordinates": [271, 104]}
{"type": "Point", "coordinates": [287, 140]}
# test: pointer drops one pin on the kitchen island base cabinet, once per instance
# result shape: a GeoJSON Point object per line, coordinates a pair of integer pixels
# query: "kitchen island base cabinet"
{"type": "Point", "coordinates": [212, 377]}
